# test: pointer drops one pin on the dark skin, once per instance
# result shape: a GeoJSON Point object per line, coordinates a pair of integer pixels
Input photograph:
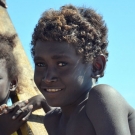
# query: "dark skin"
{"type": "Point", "coordinates": [67, 82]}
{"type": "Point", "coordinates": [7, 124]}
{"type": "Point", "coordinates": [19, 112]}
{"type": "Point", "coordinates": [5, 87]}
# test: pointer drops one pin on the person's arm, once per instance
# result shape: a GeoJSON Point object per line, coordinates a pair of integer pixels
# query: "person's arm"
{"type": "Point", "coordinates": [108, 111]}
{"type": "Point", "coordinates": [12, 117]}
{"type": "Point", "coordinates": [7, 124]}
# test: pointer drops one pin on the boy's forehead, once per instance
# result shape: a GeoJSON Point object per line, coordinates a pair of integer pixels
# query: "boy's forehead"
{"type": "Point", "coordinates": [54, 47]}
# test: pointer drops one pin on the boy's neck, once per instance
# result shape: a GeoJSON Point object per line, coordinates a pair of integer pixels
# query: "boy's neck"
{"type": "Point", "coordinates": [68, 111]}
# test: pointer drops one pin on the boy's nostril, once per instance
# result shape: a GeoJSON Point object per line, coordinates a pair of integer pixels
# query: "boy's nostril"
{"type": "Point", "coordinates": [49, 80]}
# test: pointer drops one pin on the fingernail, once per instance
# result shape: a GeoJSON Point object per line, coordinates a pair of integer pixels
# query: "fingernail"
{"type": "Point", "coordinates": [26, 101]}
{"type": "Point", "coordinates": [31, 107]}
{"type": "Point", "coordinates": [13, 117]}
{"type": "Point", "coordinates": [23, 119]}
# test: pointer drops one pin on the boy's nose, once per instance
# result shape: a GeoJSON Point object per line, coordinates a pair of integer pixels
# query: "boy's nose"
{"type": "Point", "coordinates": [47, 80]}
{"type": "Point", "coordinates": [50, 76]}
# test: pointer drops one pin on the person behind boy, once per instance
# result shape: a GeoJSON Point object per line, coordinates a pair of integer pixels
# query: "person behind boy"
{"type": "Point", "coordinates": [9, 74]}
{"type": "Point", "coordinates": [69, 48]}
{"type": "Point", "coordinates": [12, 117]}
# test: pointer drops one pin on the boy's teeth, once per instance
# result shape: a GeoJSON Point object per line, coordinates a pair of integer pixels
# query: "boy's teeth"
{"type": "Point", "coordinates": [52, 90]}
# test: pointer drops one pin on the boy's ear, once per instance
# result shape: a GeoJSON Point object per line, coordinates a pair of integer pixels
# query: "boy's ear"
{"type": "Point", "coordinates": [13, 84]}
{"type": "Point", "coordinates": [99, 64]}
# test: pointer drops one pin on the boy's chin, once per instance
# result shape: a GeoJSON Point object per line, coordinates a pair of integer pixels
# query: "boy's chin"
{"type": "Point", "coordinates": [54, 104]}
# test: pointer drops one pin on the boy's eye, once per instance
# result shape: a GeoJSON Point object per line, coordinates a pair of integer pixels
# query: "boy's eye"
{"type": "Point", "coordinates": [61, 64]}
{"type": "Point", "coordinates": [40, 64]}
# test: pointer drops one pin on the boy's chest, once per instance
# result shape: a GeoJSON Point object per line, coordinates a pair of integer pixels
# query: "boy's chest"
{"type": "Point", "coordinates": [78, 125]}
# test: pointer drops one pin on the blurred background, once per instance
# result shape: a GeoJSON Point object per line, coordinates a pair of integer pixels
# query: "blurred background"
{"type": "Point", "coordinates": [120, 19]}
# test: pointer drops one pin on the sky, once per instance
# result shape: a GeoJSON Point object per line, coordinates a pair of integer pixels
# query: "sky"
{"type": "Point", "coordinates": [119, 16]}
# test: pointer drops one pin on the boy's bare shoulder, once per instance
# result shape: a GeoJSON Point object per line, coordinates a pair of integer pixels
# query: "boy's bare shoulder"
{"type": "Point", "coordinates": [107, 96]}
{"type": "Point", "coordinates": [53, 114]}
{"type": "Point", "coordinates": [108, 111]}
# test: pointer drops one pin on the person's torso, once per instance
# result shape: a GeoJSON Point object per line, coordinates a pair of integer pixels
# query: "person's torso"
{"type": "Point", "coordinates": [79, 124]}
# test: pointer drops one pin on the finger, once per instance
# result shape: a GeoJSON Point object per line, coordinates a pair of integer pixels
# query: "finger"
{"type": "Point", "coordinates": [22, 112]}
{"type": "Point", "coordinates": [10, 108]}
{"type": "Point", "coordinates": [21, 115]}
{"type": "Point", "coordinates": [30, 111]}
{"type": "Point", "coordinates": [16, 112]}
{"type": "Point", "coordinates": [3, 109]}
{"type": "Point", "coordinates": [3, 106]}
{"type": "Point", "coordinates": [22, 103]}
{"type": "Point", "coordinates": [19, 103]}
{"type": "Point", "coordinates": [26, 117]}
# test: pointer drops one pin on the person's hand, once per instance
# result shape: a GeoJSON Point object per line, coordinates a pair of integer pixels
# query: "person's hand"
{"type": "Point", "coordinates": [38, 102]}
{"type": "Point", "coordinates": [23, 108]}
{"type": "Point", "coordinates": [8, 125]}
{"type": "Point", "coordinates": [28, 106]}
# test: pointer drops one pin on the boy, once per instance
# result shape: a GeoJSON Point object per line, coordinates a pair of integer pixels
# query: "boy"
{"type": "Point", "coordinates": [69, 51]}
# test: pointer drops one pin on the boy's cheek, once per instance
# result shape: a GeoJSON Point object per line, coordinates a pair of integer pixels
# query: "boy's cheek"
{"type": "Point", "coordinates": [37, 79]}
{"type": "Point", "coordinates": [38, 76]}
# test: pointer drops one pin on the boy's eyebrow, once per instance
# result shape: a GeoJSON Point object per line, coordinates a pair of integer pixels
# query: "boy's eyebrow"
{"type": "Point", "coordinates": [59, 56]}
{"type": "Point", "coordinates": [38, 58]}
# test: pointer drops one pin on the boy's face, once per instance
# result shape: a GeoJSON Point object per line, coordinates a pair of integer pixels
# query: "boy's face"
{"type": "Point", "coordinates": [60, 73]}
{"type": "Point", "coordinates": [4, 81]}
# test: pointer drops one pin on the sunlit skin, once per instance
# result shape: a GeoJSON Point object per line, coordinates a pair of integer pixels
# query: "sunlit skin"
{"type": "Point", "coordinates": [4, 82]}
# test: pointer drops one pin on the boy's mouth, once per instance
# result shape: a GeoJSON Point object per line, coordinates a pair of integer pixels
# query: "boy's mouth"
{"type": "Point", "coordinates": [53, 90]}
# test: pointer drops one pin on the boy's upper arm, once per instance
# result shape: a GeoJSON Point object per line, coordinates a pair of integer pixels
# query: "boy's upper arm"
{"type": "Point", "coordinates": [51, 120]}
{"type": "Point", "coordinates": [107, 111]}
